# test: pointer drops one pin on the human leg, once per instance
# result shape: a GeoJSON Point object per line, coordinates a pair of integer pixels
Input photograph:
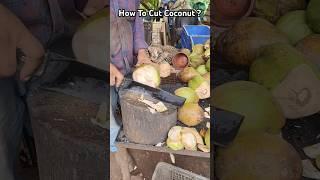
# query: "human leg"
{"type": "Point", "coordinates": [11, 110]}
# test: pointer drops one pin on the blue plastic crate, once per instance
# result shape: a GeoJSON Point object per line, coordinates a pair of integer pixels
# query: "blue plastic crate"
{"type": "Point", "coordinates": [194, 34]}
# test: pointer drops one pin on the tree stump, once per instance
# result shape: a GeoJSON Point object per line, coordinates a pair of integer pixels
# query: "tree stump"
{"type": "Point", "coordinates": [69, 146]}
{"type": "Point", "coordinates": [139, 124]}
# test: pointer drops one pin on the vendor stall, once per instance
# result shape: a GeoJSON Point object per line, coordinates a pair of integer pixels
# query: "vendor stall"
{"type": "Point", "coordinates": [165, 108]}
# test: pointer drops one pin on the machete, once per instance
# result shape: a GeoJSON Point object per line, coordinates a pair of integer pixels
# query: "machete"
{"type": "Point", "coordinates": [226, 126]}
{"type": "Point", "coordinates": [158, 93]}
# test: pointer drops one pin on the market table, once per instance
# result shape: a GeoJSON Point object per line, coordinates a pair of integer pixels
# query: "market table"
{"type": "Point", "coordinates": [69, 146]}
{"type": "Point", "coordinates": [147, 157]}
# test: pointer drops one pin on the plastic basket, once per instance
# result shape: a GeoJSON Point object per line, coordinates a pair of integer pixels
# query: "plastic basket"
{"type": "Point", "coordinates": [194, 34]}
{"type": "Point", "coordinates": [165, 171]}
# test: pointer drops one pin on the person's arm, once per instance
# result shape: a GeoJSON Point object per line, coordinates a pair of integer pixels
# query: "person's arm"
{"type": "Point", "coordinates": [30, 46]}
{"type": "Point", "coordinates": [139, 43]}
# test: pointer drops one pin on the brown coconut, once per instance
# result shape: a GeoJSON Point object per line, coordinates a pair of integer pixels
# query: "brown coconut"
{"type": "Point", "coordinates": [191, 114]}
{"type": "Point", "coordinates": [187, 74]}
{"type": "Point", "coordinates": [242, 43]}
{"type": "Point", "coordinates": [310, 47]}
{"type": "Point", "coordinates": [259, 157]}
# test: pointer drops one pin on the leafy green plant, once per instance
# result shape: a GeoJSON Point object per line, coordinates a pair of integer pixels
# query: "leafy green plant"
{"type": "Point", "coordinates": [150, 4]}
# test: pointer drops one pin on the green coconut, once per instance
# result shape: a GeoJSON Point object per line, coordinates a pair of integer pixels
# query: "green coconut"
{"type": "Point", "coordinates": [185, 51]}
{"type": "Point", "coordinates": [174, 145]}
{"type": "Point", "coordinates": [207, 77]}
{"type": "Point", "coordinates": [253, 101]}
{"type": "Point", "coordinates": [208, 65]}
{"type": "Point", "coordinates": [196, 60]}
{"type": "Point", "coordinates": [90, 41]}
{"type": "Point", "coordinates": [187, 93]}
{"type": "Point", "coordinates": [258, 157]}
{"type": "Point", "coordinates": [313, 15]}
{"type": "Point", "coordinates": [294, 25]}
{"type": "Point", "coordinates": [201, 86]}
{"type": "Point", "coordinates": [206, 54]}
{"type": "Point", "coordinates": [187, 74]}
{"type": "Point", "coordinates": [293, 80]}
{"type": "Point", "coordinates": [202, 69]}
{"type": "Point", "coordinates": [275, 62]}
{"type": "Point", "coordinates": [242, 43]}
{"type": "Point", "coordinates": [310, 47]}
{"type": "Point", "coordinates": [207, 44]}
{"type": "Point", "coordinates": [198, 49]}
{"type": "Point", "coordinates": [207, 138]}
{"type": "Point", "coordinates": [273, 9]}
{"type": "Point", "coordinates": [318, 161]}
{"type": "Point", "coordinates": [191, 114]}
{"type": "Point", "coordinates": [147, 74]}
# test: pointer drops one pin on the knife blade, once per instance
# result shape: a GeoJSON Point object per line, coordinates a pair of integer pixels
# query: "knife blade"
{"type": "Point", "coordinates": [226, 126]}
{"type": "Point", "coordinates": [155, 92]}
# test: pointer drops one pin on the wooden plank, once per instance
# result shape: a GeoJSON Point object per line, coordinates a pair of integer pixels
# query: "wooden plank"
{"type": "Point", "coordinates": [162, 149]}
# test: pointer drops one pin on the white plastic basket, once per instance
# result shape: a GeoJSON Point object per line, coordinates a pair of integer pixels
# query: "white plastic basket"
{"type": "Point", "coordinates": [165, 171]}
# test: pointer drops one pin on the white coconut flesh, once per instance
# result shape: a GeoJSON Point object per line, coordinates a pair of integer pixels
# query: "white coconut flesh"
{"type": "Point", "coordinates": [147, 75]}
{"type": "Point", "coordinates": [90, 43]}
{"type": "Point", "coordinates": [175, 133]}
{"type": "Point", "coordinates": [299, 93]}
{"type": "Point", "coordinates": [165, 69]}
{"type": "Point", "coordinates": [189, 141]}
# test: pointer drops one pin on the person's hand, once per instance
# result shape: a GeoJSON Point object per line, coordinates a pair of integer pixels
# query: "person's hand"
{"type": "Point", "coordinates": [116, 77]}
{"type": "Point", "coordinates": [143, 57]}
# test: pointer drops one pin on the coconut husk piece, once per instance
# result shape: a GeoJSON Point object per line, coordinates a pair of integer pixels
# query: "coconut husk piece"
{"type": "Point", "coordinates": [299, 93]}
{"type": "Point", "coordinates": [309, 170]}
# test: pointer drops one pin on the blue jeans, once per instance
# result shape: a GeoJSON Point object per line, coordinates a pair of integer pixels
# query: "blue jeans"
{"type": "Point", "coordinates": [114, 124]}
{"type": "Point", "coordinates": [11, 123]}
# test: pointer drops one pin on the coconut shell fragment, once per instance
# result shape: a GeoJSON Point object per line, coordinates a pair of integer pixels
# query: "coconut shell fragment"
{"type": "Point", "coordinates": [299, 93]}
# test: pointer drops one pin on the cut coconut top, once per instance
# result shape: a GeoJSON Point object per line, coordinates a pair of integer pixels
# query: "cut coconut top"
{"type": "Point", "coordinates": [299, 93]}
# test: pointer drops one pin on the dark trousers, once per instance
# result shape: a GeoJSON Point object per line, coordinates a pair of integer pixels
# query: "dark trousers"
{"type": "Point", "coordinates": [11, 124]}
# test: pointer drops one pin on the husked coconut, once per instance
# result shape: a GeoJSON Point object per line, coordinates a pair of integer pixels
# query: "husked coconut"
{"type": "Point", "coordinates": [90, 41]}
{"type": "Point", "coordinates": [175, 145]}
{"type": "Point", "coordinates": [165, 69]}
{"type": "Point", "coordinates": [148, 75]}
{"type": "Point", "coordinates": [189, 94]}
{"type": "Point", "coordinates": [189, 141]}
{"type": "Point", "coordinates": [191, 114]}
{"type": "Point", "coordinates": [258, 157]}
{"type": "Point", "coordinates": [194, 131]}
{"type": "Point", "coordinates": [175, 133]}
{"type": "Point", "coordinates": [201, 86]}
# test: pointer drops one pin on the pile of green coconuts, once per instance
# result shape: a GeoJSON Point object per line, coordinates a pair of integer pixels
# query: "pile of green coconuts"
{"type": "Point", "coordinates": [195, 75]}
